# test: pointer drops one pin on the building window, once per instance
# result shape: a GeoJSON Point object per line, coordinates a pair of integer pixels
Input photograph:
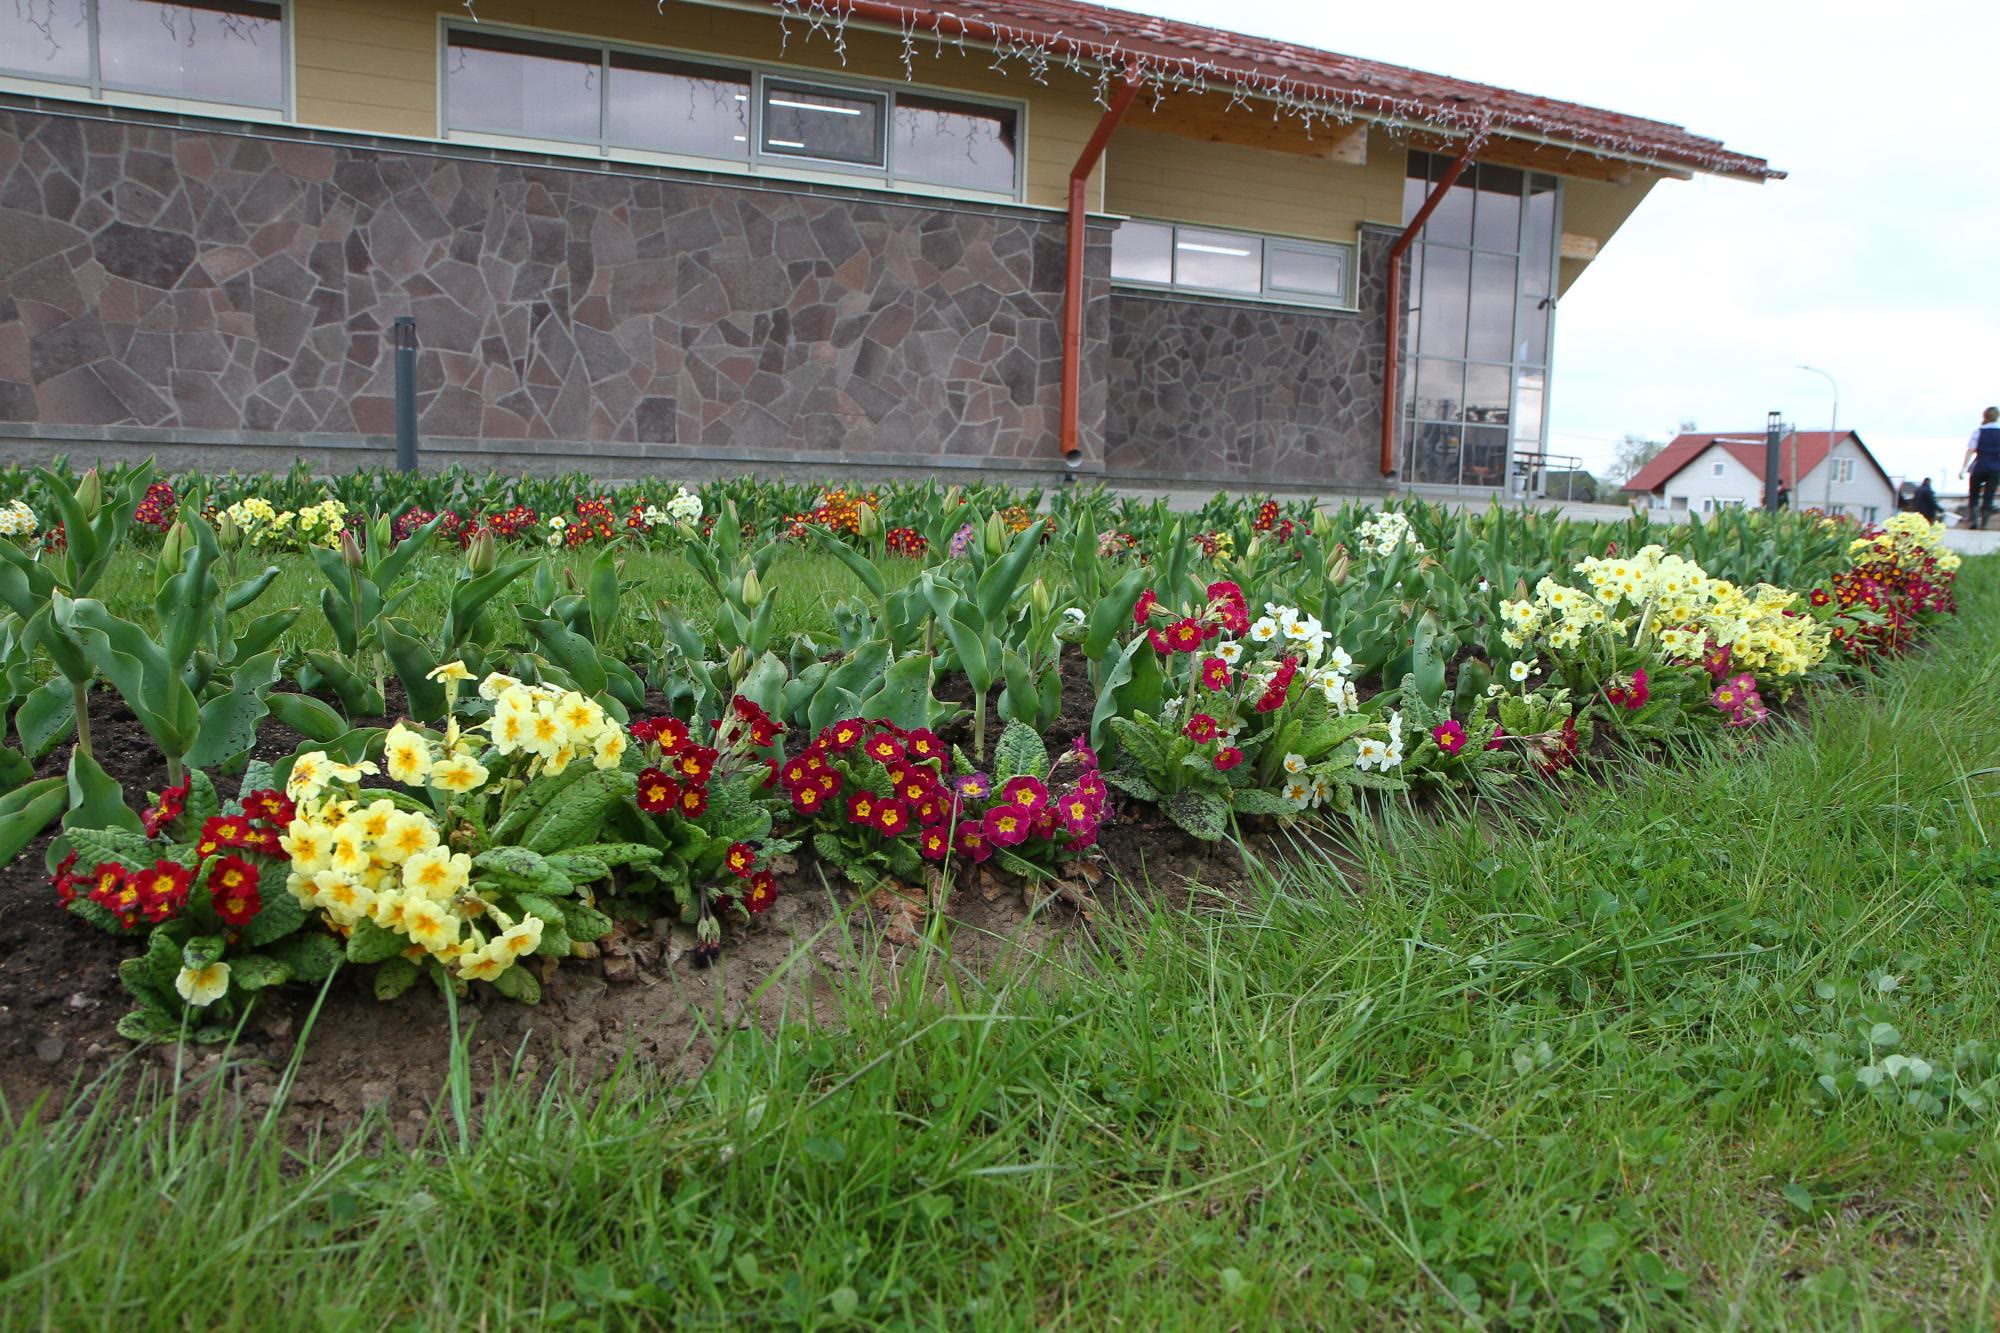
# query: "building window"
{"type": "Point", "coordinates": [229, 52]}
{"type": "Point", "coordinates": [1230, 263]}
{"type": "Point", "coordinates": [823, 123]}
{"type": "Point", "coordinates": [1482, 282]}
{"type": "Point", "coordinates": [1716, 468]}
{"type": "Point", "coordinates": [620, 100]}
{"type": "Point", "coordinates": [670, 106]}
{"type": "Point", "coordinates": [508, 85]}
{"type": "Point", "coordinates": [1868, 513]}
{"type": "Point", "coordinates": [1843, 469]}
{"type": "Point", "coordinates": [959, 144]}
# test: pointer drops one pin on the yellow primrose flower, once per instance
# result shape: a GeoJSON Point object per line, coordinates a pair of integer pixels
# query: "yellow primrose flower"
{"type": "Point", "coordinates": [520, 940]}
{"type": "Point", "coordinates": [430, 925]}
{"type": "Point", "coordinates": [437, 873]}
{"type": "Point", "coordinates": [344, 899]}
{"type": "Point", "coordinates": [311, 772]}
{"type": "Point", "coordinates": [579, 714]}
{"type": "Point", "coordinates": [407, 756]}
{"type": "Point", "coordinates": [203, 986]}
{"type": "Point", "coordinates": [351, 773]}
{"type": "Point", "coordinates": [373, 819]}
{"type": "Point", "coordinates": [608, 748]}
{"type": "Point", "coordinates": [495, 685]}
{"type": "Point", "coordinates": [307, 843]}
{"type": "Point", "coordinates": [451, 673]}
{"type": "Point", "coordinates": [484, 965]}
{"type": "Point", "coordinates": [347, 853]}
{"type": "Point", "coordinates": [458, 774]}
{"type": "Point", "coordinates": [407, 834]}
{"type": "Point", "coordinates": [389, 910]}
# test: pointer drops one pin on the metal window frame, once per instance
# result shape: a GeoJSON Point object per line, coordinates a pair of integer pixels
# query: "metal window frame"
{"type": "Point", "coordinates": [769, 85]}
{"type": "Point", "coordinates": [155, 97]}
{"type": "Point", "coordinates": [756, 161]}
{"type": "Point", "coordinates": [1265, 294]}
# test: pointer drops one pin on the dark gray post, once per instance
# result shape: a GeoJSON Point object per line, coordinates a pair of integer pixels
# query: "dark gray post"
{"type": "Point", "coordinates": [405, 338]}
{"type": "Point", "coordinates": [1771, 438]}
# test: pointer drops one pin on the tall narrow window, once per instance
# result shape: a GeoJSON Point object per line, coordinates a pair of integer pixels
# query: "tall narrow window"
{"type": "Point", "coordinates": [510, 85]}
{"type": "Point", "coordinates": [1482, 299]}
{"type": "Point", "coordinates": [834, 126]}
{"type": "Point", "coordinates": [954, 144]}
{"type": "Point", "coordinates": [670, 106]}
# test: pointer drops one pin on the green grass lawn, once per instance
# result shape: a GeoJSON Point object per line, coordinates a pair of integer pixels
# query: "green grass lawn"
{"type": "Point", "coordinates": [1557, 1064]}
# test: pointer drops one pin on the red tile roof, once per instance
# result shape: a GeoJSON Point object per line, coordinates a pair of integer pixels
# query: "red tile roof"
{"type": "Point", "coordinates": [1173, 56]}
{"type": "Point", "coordinates": [1747, 448]}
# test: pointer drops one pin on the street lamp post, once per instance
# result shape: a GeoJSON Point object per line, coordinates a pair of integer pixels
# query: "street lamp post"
{"type": "Point", "coordinates": [1832, 438]}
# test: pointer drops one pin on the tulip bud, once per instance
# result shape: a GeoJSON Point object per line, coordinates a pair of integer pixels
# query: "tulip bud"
{"type": "Point", "coordinates": [1039, 598]}
{"type": "Point", "coordinates": [1254, 549]}
{"type": "Point", "coordinates": [482, 553]}
{"type": "Point", "coordinates": [753, 590]}
{"type": "Point", "coordinates": [173, 551]}
{"type": "Point", "coordinates": [90, 494]}
{"type": "Point", "coordinates": [1336, 568]}
{"type": "Point", "coordinates": [994, 538]}
{"type": "Point", "coordinates": [350, 550]}
{"type": "Point", "coordinates": [1322, 525]}
{"type": "Point", "coordinates": [739, 663]}
{"type": "Point", "coordinates": [228, 532]}
{"type": "Point", "coordinates": [867, 521]}
{"type": "Point", "coordinates": [954, 496]}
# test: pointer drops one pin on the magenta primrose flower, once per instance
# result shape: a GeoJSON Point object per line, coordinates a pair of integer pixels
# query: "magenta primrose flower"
{"type": "Point", "coordinates": [1450, 737]}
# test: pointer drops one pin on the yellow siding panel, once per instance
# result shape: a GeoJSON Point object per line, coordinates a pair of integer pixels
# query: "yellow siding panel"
{"type": "Point", "coordinates": [1177, 179]}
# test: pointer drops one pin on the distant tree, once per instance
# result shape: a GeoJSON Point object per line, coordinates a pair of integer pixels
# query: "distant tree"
{"type": "Point", "coordinates": [1633, 452]}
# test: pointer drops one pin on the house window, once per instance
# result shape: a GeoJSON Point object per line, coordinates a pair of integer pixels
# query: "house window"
{"type": "Point", "coordinates": [1715, 468]}
{"type": "Point", "coordinates": [507, 85]}
{"type": "Point", "coordinates": [670, 106]}
{"type": "Point", "coordinates": [1868, 513]}
{"type": "Point", "coordinates": [1230, 263]}
{"type": "Point", "coordinates": [223, 51]}
{"type": "Point", "coordinates": [823, 123]}
{"type": "Point", "coordinates": [1843, 469]}
{"type": "Point", "coordinates": [620, 101]}
{"type": "Point", "coordinates": [955, 143]}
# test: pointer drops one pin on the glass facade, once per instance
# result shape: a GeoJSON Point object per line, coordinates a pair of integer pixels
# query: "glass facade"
{"type": "Point", "coordinates": [1482, 278]}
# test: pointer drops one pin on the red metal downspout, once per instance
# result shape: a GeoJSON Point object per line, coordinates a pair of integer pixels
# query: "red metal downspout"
{"type": "Point", "coordinates": [1391, 361]}
{"type": "Point", "coordinates": [1072, 335]}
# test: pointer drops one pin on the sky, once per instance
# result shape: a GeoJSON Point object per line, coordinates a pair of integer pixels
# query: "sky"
{"type": "Point", "coordinates": [1877, 260]}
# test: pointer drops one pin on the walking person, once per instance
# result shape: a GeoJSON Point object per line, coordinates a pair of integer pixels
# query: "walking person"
{"type": "Point", "coordinates": [1982, 461]}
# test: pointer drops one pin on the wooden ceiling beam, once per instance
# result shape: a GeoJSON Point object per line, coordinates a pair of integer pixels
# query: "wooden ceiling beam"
{"type": "Point", "coordinates": [1210, 119]}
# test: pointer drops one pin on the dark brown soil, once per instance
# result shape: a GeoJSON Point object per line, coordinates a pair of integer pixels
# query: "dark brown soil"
{"type": "Point", "coordinates": [646, 996]}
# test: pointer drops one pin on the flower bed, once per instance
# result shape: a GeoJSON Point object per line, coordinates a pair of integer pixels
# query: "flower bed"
{"type": "Point", "coordinates": [431, 799]}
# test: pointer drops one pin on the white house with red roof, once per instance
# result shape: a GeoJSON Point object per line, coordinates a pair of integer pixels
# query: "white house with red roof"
{"type": "Point", "coordinates": [1703, 472]}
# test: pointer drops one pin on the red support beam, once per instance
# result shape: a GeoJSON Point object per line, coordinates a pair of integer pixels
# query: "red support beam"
{"type": "Point", "coordinates": [1072, 335]}
{"type": "Point", "coordinates": [1392, 358]}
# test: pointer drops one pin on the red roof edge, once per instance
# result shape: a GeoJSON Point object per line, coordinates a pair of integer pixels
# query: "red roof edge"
{"type": "Point", "coordinates": [1170, 56]}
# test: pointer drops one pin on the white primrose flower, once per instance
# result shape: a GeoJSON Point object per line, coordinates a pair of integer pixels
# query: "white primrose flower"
{"type": "Point", "coordinates": [1295, 763]}
{"type": "Point", "coordinates": [1520, 671]}
{"type": "Point", "coordinates": [1264, 630]}
{"type": "Point", "coordinates": [1230, 652]}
